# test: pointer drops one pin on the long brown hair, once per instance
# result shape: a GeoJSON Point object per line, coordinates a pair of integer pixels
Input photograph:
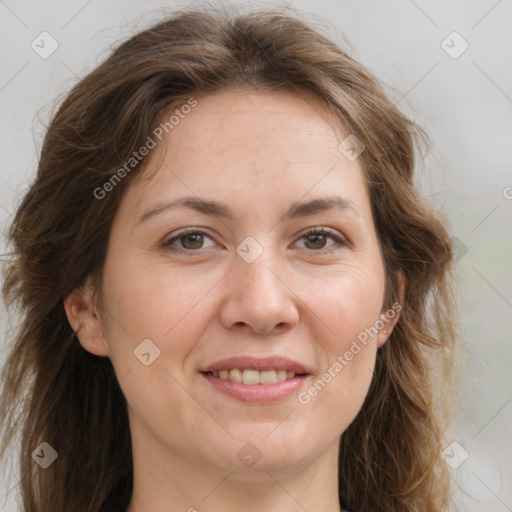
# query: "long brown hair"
{"type": "Point", "coordinates": [56, 392]}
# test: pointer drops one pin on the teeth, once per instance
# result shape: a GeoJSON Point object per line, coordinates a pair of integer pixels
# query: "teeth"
{"type": "Point", "coordinates": [268, 377]}
{"type": "Point", "coordinates": [248, 376]}
{"type": "Point", "coordinates": [235, 375]}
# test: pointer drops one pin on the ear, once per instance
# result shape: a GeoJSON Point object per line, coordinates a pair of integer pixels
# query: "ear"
{"type": "Point", "coordinates": [85, 320]}
{"type": "Point", "coordinates": [390, 314]}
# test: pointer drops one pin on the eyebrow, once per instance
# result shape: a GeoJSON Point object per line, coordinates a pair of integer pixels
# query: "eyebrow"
{"type": "Point", "coordinates": [218, 209]}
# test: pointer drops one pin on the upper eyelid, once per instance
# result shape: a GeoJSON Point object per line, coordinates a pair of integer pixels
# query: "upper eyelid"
{"type": "Point", "coordinates": [321, 229]}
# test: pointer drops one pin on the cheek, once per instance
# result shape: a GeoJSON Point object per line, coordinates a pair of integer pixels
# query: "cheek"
{"type": "Point", "coordinates": [347, 302]}
{"type": "Point", "coordinates": [170, 308]}
{"type": "Point", "coordinates": [335, 396]}
{"type": "Point", "coordinates": [349, 308]}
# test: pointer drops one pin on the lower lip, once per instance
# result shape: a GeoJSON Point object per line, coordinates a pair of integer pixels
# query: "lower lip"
{"type": "Point", "coordinates": [258, 393]}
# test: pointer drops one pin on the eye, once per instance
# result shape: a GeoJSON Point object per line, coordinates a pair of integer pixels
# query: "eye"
{"type": "Point", "coordinates": [317, 238]}
{"type": "Point", "coordinates": [187, 240]}
{"type": "Point", "coordinates": [193, 240]}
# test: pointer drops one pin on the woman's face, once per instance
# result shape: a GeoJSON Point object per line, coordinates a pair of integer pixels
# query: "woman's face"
{"type": "Point", "coordinates": [248, 288]}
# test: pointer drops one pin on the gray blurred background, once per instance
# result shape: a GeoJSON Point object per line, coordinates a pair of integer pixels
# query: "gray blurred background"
{"type": "Point", "coordinates": [448, 65]}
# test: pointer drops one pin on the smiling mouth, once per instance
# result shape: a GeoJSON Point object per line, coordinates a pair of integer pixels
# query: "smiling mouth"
{"type": "Point", "coordinates": [252, 377]}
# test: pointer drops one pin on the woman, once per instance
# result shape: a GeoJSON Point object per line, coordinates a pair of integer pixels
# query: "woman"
{"type": "Point", "coordinates": [232, 293]}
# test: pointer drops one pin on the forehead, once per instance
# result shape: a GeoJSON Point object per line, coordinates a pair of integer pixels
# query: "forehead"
{"type": "Point", "coordinates": [250, 121]}
{"type": "Point", "coordinates": [246, 145]}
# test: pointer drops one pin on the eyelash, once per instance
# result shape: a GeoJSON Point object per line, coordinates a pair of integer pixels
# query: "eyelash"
{"type": "Point", "coordinates": [167, 244]}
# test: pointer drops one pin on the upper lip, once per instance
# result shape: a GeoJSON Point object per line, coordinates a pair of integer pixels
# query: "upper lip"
{"type": "Point", "coordinates": [257, 363]}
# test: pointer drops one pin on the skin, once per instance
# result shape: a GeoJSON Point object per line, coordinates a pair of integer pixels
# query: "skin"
{"type": "Point", "coordinates": [304, 298]}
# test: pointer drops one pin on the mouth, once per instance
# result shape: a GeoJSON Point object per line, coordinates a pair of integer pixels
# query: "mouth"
{"type": "Point", "coordinates": [250, 379]}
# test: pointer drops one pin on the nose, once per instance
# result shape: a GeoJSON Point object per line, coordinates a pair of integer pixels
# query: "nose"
{"type": "Point", "coordinates": [258, 298]}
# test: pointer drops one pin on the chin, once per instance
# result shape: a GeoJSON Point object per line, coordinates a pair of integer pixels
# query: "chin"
{"type": "Point", "coordinates": [262, 451]}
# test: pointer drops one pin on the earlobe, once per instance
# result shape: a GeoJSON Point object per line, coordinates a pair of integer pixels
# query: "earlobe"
{"type": "Point", "coordinates": [86, 321]}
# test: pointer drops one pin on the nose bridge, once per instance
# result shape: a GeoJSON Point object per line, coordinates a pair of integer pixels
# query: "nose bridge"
{"type": "Point", "coordinates": [258, 282]}
{"type": "Point", "coordinates": [257, 276]}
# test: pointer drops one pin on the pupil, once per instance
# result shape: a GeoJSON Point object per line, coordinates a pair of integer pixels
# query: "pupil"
{"type": "Point", "coordinates": [196, 240]}
{"type": "Point", "coordinates": [316, 238]}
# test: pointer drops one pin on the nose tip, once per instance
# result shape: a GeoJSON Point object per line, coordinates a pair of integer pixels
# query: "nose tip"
{"type": "Point", "coordinates": [257, 298]}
